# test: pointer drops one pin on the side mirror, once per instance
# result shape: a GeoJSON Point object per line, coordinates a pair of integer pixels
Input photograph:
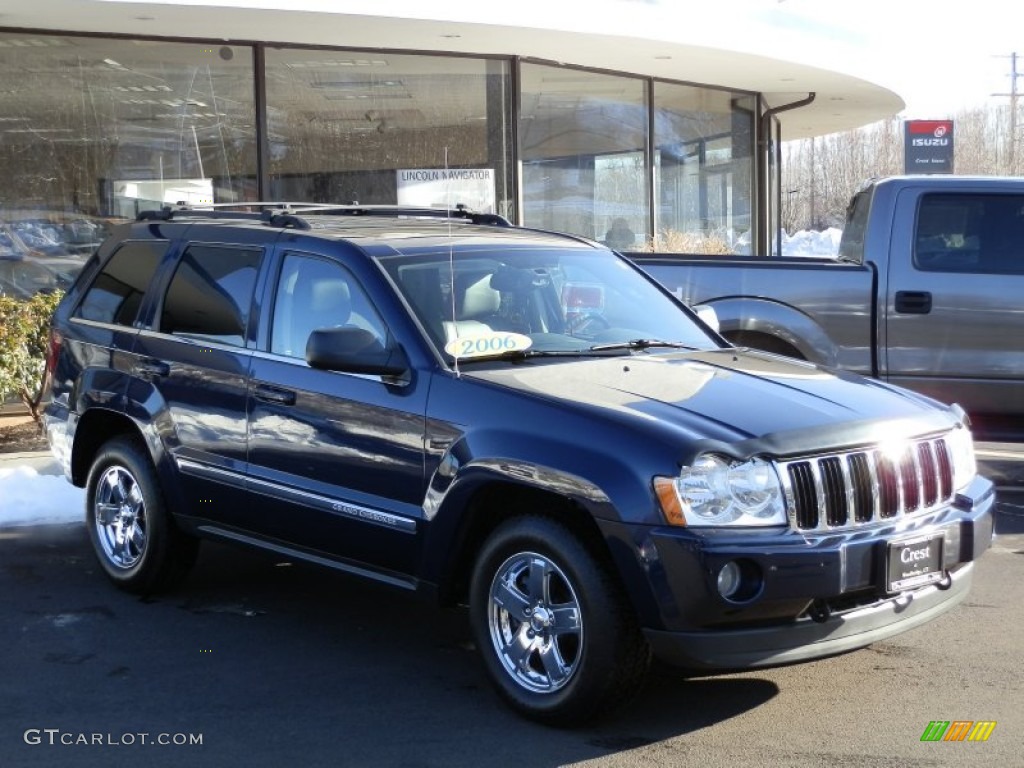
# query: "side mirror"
{"type": "Point", "coordinates": [709, 317]}
{"type": "Point", "coordinates": [354, 350]}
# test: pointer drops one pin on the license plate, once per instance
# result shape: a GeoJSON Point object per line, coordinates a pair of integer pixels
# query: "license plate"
{"type": "Point", "coordinates": [914, 562]}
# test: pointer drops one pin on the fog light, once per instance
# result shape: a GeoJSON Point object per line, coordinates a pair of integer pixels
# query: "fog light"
{"type": "Point", "coordinates": [740, 581]}
{"type": "Point", "coordinates": [730, 579]}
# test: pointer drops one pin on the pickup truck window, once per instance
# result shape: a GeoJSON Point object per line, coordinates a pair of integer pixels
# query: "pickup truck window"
{"type": "Point", "coordinates": [851, 247]}
{"type": "Point", "coordinates": [982, 234]}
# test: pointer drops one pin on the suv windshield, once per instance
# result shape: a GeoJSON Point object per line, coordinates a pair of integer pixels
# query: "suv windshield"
{"type": "Point", "coordinates": [570, 300]}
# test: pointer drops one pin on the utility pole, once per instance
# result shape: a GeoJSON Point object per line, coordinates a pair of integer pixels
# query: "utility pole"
{"type": "Point", "coordinates": [1013, 94]}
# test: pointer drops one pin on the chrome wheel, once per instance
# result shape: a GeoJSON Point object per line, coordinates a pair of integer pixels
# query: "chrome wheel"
{"type": "Point", "coordinates": [120, 518]}
{"type": "Point", "coordinates": [535, 622]}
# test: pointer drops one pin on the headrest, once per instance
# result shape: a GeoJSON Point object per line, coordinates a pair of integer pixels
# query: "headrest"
{"type": "Point", "coordinates": [330, 296]}
{"type": "Point", "coordinates": [479, 299]}
{"type": "Point", "coordinates": [512, 279]}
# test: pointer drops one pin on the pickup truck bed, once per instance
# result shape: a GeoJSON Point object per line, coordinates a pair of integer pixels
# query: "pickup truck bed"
{"type": "Point", "coordinates": [926, 293]}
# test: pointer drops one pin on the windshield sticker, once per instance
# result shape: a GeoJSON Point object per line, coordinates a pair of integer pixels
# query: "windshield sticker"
{"type": "Point", "coordinates": [487, 344]}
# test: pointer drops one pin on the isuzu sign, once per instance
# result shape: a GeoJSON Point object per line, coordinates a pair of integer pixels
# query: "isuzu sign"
{"type": "Point", "coordinates": [928, 146]}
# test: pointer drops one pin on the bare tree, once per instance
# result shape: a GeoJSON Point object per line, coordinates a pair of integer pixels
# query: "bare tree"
{"type": "Point", "coordinates": [820, 175]}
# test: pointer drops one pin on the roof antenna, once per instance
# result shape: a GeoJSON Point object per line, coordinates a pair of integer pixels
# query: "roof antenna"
{"type": "Point", "coordinates": [451, 254]}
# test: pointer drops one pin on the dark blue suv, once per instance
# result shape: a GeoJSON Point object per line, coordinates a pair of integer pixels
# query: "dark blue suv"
{"type": "Point", "coordinates": [516, 420]}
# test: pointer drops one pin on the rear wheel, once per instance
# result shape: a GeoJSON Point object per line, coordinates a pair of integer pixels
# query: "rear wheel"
{"type": "Point", "coordinates": [552, 625]}
{"type": "Point", "coordinates": [132, 534]}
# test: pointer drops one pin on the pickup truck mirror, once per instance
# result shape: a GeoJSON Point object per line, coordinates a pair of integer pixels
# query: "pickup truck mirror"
{"type": "Point", "coordinates": [354, 350]}
{"type": "Point", "coordinates": [709, 317]}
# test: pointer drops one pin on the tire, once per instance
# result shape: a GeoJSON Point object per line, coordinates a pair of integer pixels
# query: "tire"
{"type": "Point", "coordinates": [553, 628]}
{"type": "Point", "coordinates": [132, 535]}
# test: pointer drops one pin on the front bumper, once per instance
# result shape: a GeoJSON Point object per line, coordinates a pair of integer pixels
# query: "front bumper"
{"type": "Point", "coordinates": [819, 594]}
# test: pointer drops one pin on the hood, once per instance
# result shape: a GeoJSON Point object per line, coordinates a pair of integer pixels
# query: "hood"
{"type": "Point", "coordinates": [754, 402]}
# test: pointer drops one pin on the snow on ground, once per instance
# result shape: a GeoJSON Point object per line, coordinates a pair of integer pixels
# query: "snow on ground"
{"type": "Point", "coordinates": [29, 498]}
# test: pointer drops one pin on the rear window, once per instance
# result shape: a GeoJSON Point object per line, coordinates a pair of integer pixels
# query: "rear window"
{"type": "Point", "coordinates": [970, 233]}
{"type": "Point", "coordinates": [116, 293]}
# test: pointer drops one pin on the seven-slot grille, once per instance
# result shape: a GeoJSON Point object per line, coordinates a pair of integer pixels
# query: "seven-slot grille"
{"type": "Point", "coordinates": [844, 490]}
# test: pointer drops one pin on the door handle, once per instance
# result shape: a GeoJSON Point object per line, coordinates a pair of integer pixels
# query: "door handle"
{"type": "Point", "coordinates": [274, 395]}
{"type": "Point", "coordinates": [913, 302]}
{"type": "Point", "coordinates": [152, 368]}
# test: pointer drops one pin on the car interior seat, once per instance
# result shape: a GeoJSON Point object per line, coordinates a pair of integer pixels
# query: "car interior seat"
{"type": "Point", "coordinates": [476, 307]}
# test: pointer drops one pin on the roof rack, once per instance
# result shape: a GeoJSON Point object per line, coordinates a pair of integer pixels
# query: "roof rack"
{"type": "Point", "coordinates": [285, 214]}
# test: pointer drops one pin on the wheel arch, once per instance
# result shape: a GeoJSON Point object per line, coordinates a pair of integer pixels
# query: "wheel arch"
{"type": "Point", "coordinates": [486, 506]}
{"type": "Point", "coordinates": [775, 324]}
{"type": "Point", "coordinates": [95, 428]}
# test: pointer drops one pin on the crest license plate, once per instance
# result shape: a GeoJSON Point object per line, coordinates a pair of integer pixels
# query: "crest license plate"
{"type": "Point", "coordinates": [913, 563]}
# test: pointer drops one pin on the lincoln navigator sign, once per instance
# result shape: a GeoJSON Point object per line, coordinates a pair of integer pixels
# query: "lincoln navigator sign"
{"type": "Point", "coordinates": [928, 146]}
{"type": "Point", "coordinates": [440, 187]}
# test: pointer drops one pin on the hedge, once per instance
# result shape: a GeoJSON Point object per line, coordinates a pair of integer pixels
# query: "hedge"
{"type": "Point", "coordinates": [24, 338]}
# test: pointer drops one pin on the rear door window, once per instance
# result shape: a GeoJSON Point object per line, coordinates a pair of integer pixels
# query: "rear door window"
{"type": "Point", "coordinates": [210, 295]}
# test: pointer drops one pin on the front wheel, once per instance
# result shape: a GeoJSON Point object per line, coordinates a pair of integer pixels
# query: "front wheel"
{"type": "Point", "coordinates": [132, 534]}
{"type": "Point", "coordinates": [556, 635]}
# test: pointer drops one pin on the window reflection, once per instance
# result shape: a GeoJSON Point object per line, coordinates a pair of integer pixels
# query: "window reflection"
{"type": "Point", "coordinates": [344, 124]}
{"type": "Point", "coordinates": [583, 138]}
{"type": "Point", "coordinates": [94, 130]}
{"type": "Point", "coordinates": [703, 158]}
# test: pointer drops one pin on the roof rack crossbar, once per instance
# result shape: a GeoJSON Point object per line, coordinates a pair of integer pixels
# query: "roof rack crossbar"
{"type": "Point", "coordinates": [289, 214]}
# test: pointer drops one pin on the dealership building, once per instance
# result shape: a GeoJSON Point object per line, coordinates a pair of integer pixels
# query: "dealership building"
{"type": "Point", "coordinates": [609, 113]}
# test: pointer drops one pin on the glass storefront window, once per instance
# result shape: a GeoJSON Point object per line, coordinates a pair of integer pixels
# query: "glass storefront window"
{"type": "Point", "coordinates": [703, 148]}
{"type": "Point", "coordinates": [381, 128]}
{"type": "Point", "coordinates": [583, 147]}
{"type": "Point", "coordinates": [95, 130]}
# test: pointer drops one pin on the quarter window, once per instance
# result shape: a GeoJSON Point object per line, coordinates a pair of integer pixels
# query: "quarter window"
{"type": "Point", "coordinates": [116, 293]}
{"type": "Point", "coordinates": [211, 293]}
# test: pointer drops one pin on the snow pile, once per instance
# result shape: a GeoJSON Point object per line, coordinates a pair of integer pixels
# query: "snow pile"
{"type": "Point", "coordinates": [810, 243]}
{"type": "Point", "coordinates": [806, 242]}
{"type": "Point", "coordinates": [29, 498]}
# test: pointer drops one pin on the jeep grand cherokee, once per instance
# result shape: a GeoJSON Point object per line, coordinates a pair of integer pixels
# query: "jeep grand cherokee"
{"type": "Point", "coordinates": [516, 420]}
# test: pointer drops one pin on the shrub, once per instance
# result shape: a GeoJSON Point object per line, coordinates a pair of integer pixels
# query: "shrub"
{"type": "Point", "coordinates": [24, 338]}
{"type": "Point", "coordinates": [674, 241]}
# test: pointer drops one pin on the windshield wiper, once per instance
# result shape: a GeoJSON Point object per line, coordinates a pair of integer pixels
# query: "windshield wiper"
{"type": "Point", "coordinates": [523, 354]}
{"type": "Point", "coordinates": [640, 344]}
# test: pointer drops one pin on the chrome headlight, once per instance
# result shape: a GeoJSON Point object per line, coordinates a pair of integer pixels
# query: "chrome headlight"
{"type": "Point", "coordinates": [718, 491]}
{"type": "Point", "coordinates": [961, 449]}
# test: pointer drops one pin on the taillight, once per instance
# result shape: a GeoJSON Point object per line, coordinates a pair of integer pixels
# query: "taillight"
{"type": "Point", "coordinates": [53, 351]}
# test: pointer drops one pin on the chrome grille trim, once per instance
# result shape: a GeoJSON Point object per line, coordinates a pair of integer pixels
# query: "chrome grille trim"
{"type": "Point", "coordinates": [841, 486]}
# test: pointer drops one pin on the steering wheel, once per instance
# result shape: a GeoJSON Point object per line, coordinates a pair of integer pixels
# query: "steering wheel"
{"type": "Point", "coordinates": [587, 322]}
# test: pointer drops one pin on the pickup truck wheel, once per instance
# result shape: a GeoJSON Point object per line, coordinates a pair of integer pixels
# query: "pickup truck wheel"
{"type": "Point", "coordinates": [556, 636]}
{"type": "Point", "coordinates": [132, 535]}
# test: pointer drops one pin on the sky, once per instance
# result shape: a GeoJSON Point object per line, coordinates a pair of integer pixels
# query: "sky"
{"type": "Point", "coordinates": [940, 56]}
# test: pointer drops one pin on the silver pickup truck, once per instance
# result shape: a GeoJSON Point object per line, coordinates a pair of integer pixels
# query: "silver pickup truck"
{"type": "Point", "coordinates": [927, 292]}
